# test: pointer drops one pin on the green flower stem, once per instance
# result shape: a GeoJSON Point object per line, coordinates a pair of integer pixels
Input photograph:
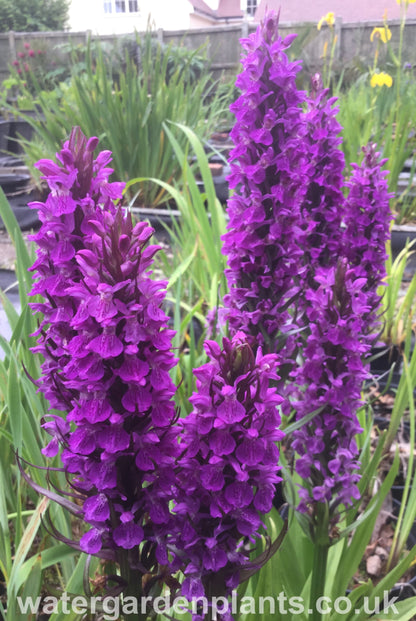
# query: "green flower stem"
{"type": "Point", "coordinates": [133, 589]}
{"type": "Point", "coordinates": [320, 559]}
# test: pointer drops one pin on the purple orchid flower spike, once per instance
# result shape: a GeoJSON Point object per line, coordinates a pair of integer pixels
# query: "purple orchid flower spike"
{"type": "Point", "coordinates": [107, 353]}
{"type": "Point", "coordinates": [270, 174]}
{"type": "Point", "coordinates": [228, 467]}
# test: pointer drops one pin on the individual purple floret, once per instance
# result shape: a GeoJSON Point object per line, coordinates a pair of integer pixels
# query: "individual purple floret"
{"type": "Point", "coordinates": [270, 171]}
{"type": "Point", "coordinates": [106, 348]}
{"type": "Point", "coordinates": [229, 464]}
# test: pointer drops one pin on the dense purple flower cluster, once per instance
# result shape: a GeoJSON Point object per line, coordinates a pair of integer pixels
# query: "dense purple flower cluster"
{"type": "Point", "coordinates": [303, 260]}
{"type": "Point", "coordinates": [287, 168]}
{"type": "Point", "coordinates": [330, 382]}
{"type": "Point", "coordinates": [323, 208]}
{"type": "Point", "coordinates": [304, 268]}
{"type": "Point", "coordinates": [270, 173]}
{"type": "Point", "coordinates": [229, 463]}
{"type": "Point", "coordinates": [106, 349]}
{"type": "Point", "coordinates": [346, 266]}
{"type": "Point", "coordinates": [367, 221]}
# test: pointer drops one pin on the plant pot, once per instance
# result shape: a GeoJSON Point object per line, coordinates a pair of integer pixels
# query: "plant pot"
{"type": "Point", "coordinates": [26, 217]}
{"type": "Point", "coordinates": [386, 364]}
{"type": "Point", "coordinates": [400, 235]}
{"type": "Point", "coordinates": [13, 184]}
{"type": "Point", "coordinates": [160, 219]}
{"type": "Point", "coordinates": [407, 588]}
{"type": "Point", "coordinates": [220, 142]}
{"type": "Point", "coordinates": [19, 128]}
{"type": "Point", "coordinates": [219, 176]}
{"type": "Point", "coordinates": [4, 136]}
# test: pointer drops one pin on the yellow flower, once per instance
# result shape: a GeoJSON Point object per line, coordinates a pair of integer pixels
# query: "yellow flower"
{"type": "Point", "coordinates": [381, 79]}
{"type": "Point", "coordinates": [383, 33]}
{"type": "Point", "coordinates": [329, 19]}
{"type": "Point", "coordinates": [406, 2]}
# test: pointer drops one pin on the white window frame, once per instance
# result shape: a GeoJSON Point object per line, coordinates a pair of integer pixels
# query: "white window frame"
{"type": "Point", "coordinates": [120, 7]}
{"type": "Point", "coordinates": [251, 7]}
{"type": "Point", "coordinates": [114, 7]}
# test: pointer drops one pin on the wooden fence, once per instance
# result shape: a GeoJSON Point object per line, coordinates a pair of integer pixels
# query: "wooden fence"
{"type": "Point", "coordinates": [353, 46]}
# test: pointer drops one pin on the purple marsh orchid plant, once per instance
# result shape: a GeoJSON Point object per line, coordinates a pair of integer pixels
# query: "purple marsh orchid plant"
{"type": "Point", "coordinates": [229, 465]}
{"type": "Point", "coordinates": [107, 353]}
{"type": "Point", "coordinates": [304, 267]}
{"type": "Point", "coordinates": [106, 350]}
{"type": "Point", "coordinates": [162, 494]}
{"type": "Point", "coordinates": [303, 260]}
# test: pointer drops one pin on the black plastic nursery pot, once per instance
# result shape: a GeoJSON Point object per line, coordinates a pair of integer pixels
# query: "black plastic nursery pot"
{"type": "Point", "coordinates": [19, 128]}
{"type": "Point", "coordinates": [26, 217]}
{"type": "Point", "coordinates": [160, 219]}
{"type": "Point", "coordinates": [407, 588]}
{"type": "Point", "coordinates": [221, 143]}
{"type": "Point", "coordinates": [219, 177]}
{"type": "Point", "coordinates": [386, 365]}
{"type": "Point", "coordinates": [4, 136]}
{"type": "Point", "coordinates": [13, 183]}
{"type": "Point", "coordinates": [400, 235]}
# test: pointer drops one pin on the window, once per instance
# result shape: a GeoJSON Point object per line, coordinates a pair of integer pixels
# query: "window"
{"type": "Point", "coordinates": [120, 6]}
{"type": "Point", "coordinates": [251, 7]}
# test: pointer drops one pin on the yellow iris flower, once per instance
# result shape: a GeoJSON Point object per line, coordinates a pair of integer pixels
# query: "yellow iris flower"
{"type": "Point", "coordinates": [329, 19]}
{"type": "Point", "coordinates": [381, 79]}
{"type": "Point", "coordinates": [383, 33]}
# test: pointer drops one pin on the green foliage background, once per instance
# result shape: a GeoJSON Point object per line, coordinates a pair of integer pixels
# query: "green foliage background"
{"type": "Point", "coordinates": [33, 15]}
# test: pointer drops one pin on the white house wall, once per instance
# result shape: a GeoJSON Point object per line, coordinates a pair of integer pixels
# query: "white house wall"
{"type": "Point", "coordinates": [166, 14]}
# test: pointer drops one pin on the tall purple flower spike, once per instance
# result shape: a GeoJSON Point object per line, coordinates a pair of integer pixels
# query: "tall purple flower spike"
{"type": "Point", "coordinates": [106, 348]}
{"type": "Point", "coordinates": [270, 174]}
{"type": "Point", "coordinates": [343, 311]}
{"type": "Point", "coordinates": [293, 243]}
{"type": "Point", "coordinates": [286, 212]}
{"type": "Point", "coordinates": [367, 225]}
{"type": "Point", "coordinates": [229, 464]}
{"type": "Point", "coordinates": [323, 207]}
{"type": "Point", "coordinates": [330, 381]}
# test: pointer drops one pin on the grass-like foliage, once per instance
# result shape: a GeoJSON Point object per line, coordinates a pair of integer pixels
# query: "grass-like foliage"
{"type": "Point", "coordinates": [127, 111]}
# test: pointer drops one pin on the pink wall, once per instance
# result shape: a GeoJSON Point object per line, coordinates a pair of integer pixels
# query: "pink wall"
{"type": "Point", "coordinates": [349, 10]}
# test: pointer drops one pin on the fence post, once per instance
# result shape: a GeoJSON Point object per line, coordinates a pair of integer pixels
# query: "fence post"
{"type": "Point", "coordinates": [244, 28]}
{"type": "Point", "coordinates": [338, 35]}
{"type": "Point", "coordinates": [12, 46]}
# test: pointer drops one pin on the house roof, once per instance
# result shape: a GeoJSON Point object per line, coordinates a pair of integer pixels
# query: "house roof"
{"type": "Point", "coordinates": [350, 11]}
{"type": "Point", "coordinates": [200, 6]}
{"type": "Point", "coordinates": [227, 9]}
